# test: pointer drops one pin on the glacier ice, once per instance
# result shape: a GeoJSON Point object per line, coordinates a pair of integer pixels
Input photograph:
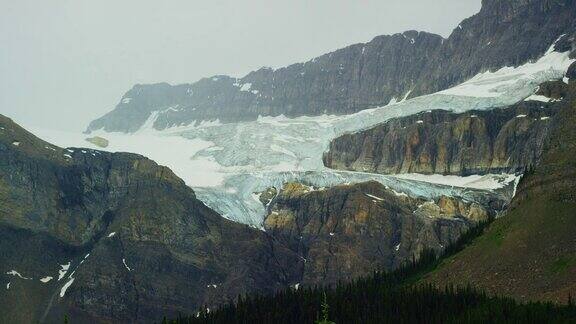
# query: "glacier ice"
{"type": "Point", "coordinates": [227, 163]}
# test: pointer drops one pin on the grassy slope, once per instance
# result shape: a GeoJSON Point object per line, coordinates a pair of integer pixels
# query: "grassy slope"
{"type": "Point", "coordinates": [530, 253]}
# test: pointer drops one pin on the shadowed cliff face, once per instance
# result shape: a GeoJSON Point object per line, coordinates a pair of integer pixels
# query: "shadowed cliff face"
{"type": "Point", "coordinates": [138, 244]}
{"type": "Point", "coordinates": [503, 33]}
{"type": "Point", "coordinates": [530, 253]}
{"type": "Point", "coordinates": [352, 230]}
{"type": "Point", "coordinates": [476, 142]}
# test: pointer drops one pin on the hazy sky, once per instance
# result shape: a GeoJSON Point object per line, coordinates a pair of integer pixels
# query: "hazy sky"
{"type": "Point", "coordinates": [66, 62]}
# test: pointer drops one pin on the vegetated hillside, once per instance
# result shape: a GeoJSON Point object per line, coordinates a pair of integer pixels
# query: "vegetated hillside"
{"type": "Point", "coordinates": [503, 33]}
{"type": "Point", "coordinates": [530, 253]}
{"type": "Point", "coordinates": [507, 139]}
{"type": "Point", "coordinates": [110, 237]}
{"type": "Point", "coordinates": [385, 298]}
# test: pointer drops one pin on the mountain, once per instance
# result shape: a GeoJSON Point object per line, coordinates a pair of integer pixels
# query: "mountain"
{"type": "Point", "coordinates": [348, 231]}
{"type": "Point", "coordinates": [530, 253]}
{"type": "Point", "coordinates": [508, 139]}
{"type": "Point", "coordinates": [388, 68]}
{"type": "Point", "coordinates": [107, 237]}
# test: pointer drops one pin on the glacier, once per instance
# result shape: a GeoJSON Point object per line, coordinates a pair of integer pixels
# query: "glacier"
{"type": "Point", "coordinates": [227, 163]}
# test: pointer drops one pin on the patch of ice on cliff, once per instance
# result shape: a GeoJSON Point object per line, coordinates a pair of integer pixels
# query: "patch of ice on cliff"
{"type": "Point", "coordinates": [66, 286]}
{"type": "Point", "coordinates": [494, 84]}
{"type": "Point", "coordinates": [62, 272]}
{"type": "Point", "coordinates": [374, 197]}
{"type": "Point", "coordinates": [17, 274]}
{"type": "Point", "coordinates": [46, 279]}
{"type": "Point", "coordinates": [482, 182]}
{"type": "Point", "coordinates": [125, 265]}
{"type": "Point", "coordinates": [535, 97]}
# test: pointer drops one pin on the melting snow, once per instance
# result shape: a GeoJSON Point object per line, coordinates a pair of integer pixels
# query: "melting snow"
{"type": "Point", "coordinates": [66, 286]}
{"type": "Point", "coordinates": [535, 97]}
{"type": "Point", "coordinates": [127, 267]}
{"type": "Point", "coordinates": [62, 272]}
{"type": "Point", "coordinates": [246, 87]}
{"type": "Point", "coordinates": [17, 274]}
{"type": "Point", "coordinates": [377, 198]}
{"type": "Point", "coordinates": [46, 279]}
{"type": "Point", "coordinates": [485, 182]}
{"type": "Point", "coordinates": [494, 84]}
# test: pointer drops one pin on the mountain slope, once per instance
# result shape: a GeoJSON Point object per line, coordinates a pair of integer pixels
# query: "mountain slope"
{"type": "Point", "coordinates": [530, 253]}
{"type": "Point", "coordinates": [348, 231]}
{"type": "Point", "coordinates": [106, 237]}
{"type": "Point", "coordinates": [503, 33]}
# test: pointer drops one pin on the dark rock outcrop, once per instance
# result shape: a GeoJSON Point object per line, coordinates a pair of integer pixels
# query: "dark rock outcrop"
{"type": "Point", "coordinates": [351, 230]}
{"type": "Point", "coordinates": [571, 74]}
{"type": "Point", "coordinates": [139, 245]}
{"type": "Point", "coordinates": [503, 33]}
{"type": "Point", "coordinates": [476, 142]}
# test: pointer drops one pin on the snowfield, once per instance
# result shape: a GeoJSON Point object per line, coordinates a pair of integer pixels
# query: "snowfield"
{"type": "Point", "coordinates": [227, 163]}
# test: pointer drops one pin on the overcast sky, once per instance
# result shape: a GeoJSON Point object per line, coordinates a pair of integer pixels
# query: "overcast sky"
{"type": "Point", "coordinates": [66, 62]}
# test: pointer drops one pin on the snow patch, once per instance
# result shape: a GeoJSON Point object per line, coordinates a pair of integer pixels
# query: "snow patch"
{"type": "Point", "coordinates": [494, 84]}
{"type": "Point", "coordinates": [66, 286]}
{"type": "Point", "coordinates": [111, 234]}
{"type": "Point", "coordinates": [374, 197]}
{"type": "Point", "coordinates": [16, 143]}
{"type": "Point", "coordinates": [125, 265]}
{"type": "Point", "coordinates": [62, 272]}
{"type": "Point", "coordinates": [483, 182]}
{"type": "Point", "coordinates": [535, 97]}
{"type": "Point", "coordinates": [46, 279]}
{"type": "Point", "coordinates": [126, 100]}
{"type": "Point", "coordinates": [246, 87]}
{"type": "Point", "coordinates": [17, 274]}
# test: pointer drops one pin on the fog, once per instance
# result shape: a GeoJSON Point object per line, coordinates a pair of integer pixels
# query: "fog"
{"type": "Point", "coordinates": [66, 62]}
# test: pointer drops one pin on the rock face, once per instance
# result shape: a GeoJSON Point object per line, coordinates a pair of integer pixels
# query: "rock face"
{"type": "Point", "coordinates": [475, 142]}
{"type": "Point", "coordinates": [529, 254]}
{"type": "Point", "coordinates": [136, 242]}
{"type": "Point", "coordinates": [98, 141]}
{"type": "Point", "coordinates": [351, 230]}
{"type": "Point", "coordinates": [359, 76]}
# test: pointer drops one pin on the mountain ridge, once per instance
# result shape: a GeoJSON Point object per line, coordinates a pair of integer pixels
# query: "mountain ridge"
{"type": "Point", "coordinates": [359, 76]}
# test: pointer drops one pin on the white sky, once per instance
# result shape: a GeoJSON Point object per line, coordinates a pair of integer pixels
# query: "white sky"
{"type": "Point", "coordinates": [66, 62]}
